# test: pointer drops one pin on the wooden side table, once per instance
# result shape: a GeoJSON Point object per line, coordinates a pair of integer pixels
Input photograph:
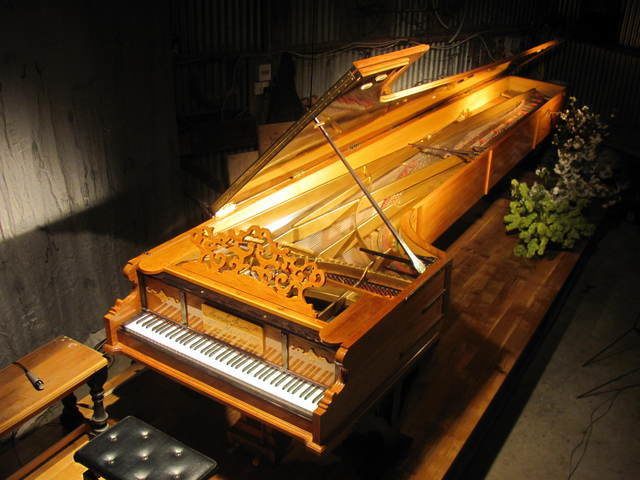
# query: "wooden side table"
{"type": "Point", "coordinates": [63, 365]}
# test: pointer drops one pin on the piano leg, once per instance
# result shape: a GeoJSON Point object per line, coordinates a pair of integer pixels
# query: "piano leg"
{"type": "Point", "coordinates": [96, 389]}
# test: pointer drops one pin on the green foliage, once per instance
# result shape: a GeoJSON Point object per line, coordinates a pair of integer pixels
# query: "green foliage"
{"type": "Point", "coordinates": [541, 219]}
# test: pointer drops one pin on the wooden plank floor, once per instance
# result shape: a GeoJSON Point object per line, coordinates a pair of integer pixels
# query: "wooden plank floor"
{"type": "Point", "coordinates": [498, 302]}
{"type": "Point", "coordinates": [62, 466]}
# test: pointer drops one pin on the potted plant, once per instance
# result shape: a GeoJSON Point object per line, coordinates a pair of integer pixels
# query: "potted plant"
{"type": "Point", "coordinates": [552, 210]}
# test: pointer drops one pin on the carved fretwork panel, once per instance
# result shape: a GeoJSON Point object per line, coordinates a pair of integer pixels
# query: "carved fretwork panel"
{"type": "Point", "coordinates": [251, 261]}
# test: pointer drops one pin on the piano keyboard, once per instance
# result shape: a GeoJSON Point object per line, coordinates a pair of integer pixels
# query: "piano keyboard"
{"type": "Point", "coordinates": [240, 368]}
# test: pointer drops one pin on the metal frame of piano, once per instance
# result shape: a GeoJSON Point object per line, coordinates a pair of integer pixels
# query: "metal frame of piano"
{"type": "Point", "coordinates": [296, 304]}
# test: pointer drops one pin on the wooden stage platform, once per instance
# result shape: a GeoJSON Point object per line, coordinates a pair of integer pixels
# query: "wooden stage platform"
{"type": "Point", "coordinates": [498, 304]}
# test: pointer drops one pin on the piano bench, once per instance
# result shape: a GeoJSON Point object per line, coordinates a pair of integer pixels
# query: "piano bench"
{"type": "Point", "coordinates": [134, 450]}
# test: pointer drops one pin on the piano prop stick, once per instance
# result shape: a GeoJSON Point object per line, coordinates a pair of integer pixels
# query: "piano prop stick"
{"type": "Point", "coordinates": [415, 261]}
{"type": "Point", "coordinates": [296, 303]}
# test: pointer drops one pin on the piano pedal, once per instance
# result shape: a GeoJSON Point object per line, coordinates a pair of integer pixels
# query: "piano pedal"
{"type": "Point", "coordinates": [260, 441]}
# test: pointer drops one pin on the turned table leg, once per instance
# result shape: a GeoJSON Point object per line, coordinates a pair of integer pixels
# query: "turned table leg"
{"type": "Point", "coordinates": [70, 416]}
{"type": "Point", "coordinates": [96, 389]}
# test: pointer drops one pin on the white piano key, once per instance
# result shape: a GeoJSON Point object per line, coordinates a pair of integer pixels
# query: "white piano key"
{"type": "Point", "coordinates": [230, 362]}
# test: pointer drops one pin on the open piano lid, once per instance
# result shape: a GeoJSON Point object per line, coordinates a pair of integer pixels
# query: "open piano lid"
{"type": "Point", "coordinates": [300, 189]}
{"type": "Point", "coordinates": [359, 106]}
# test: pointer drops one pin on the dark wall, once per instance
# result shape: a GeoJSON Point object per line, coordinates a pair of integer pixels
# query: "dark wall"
{"type": "Point", "coordinates": [88, 170]}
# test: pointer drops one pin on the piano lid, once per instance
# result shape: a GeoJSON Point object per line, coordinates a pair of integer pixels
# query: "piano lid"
{"type": "Point", "coordinates": [359, 106]}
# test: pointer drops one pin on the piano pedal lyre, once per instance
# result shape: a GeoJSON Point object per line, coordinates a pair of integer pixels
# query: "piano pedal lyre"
{"type": "Point", "coordinates": [259, 440]}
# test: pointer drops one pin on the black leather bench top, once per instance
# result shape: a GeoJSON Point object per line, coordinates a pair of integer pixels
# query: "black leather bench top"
{"type": "Point", "coordinates": [134, 450]}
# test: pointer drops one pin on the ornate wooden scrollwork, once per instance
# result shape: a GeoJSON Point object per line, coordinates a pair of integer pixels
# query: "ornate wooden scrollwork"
{"type": "Point", "coordinates": [250, 258]}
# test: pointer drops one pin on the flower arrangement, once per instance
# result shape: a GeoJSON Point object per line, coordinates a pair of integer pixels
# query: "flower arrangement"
{"type": "Point", "coordinates": [551, 210]}
{"type": "Point", "coordinates": [581, 171]}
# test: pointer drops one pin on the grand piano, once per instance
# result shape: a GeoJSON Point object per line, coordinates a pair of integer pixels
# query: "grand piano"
{"type": "Point", "coordinates": [315, 286]}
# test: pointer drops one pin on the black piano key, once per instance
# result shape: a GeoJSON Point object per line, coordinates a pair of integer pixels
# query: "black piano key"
{"type": "Point", "coordinates": [158, 324]}
{"type": "Point", "coordinates": [206, 346]}
{"type": "Point", "coordinates": [156, 321]}
{"type": "Point", "coordinates": [182, 336]}
{"type": "Point", "coordinates": [193, 340]}
{"type": "Point", "coordinates": [264, 372]}
{"type": "Point", "coordinates": [306, 391]}
{"type": "Point", "coordinates": [241, 363]}
{"type": "Point", "coordinates": [209, 348]}
{"type": "Point", "coordinates": [231, 361]}
{"type": "Point", "coordinates": [252, 366]}
{"type": "Point", "coordinates": [290, 383]}
{"type": "Point", "coordinates": [317, 398]}
{"type": "Point", "coordinates": [225, 354]}
{"type": "Point", "coordinates": [298, 387]}
{"type": "Point", "coordinates": [260, 370]}
{"type": "Point", "coordinates": [282, 376]}
{"type": "Point", "coordinates": [177, 332]}
{"type": "Point", "coordinates": [232, 357]}
{"type": "Point", "coordinates": [312, 392]}
{"type": "Point", "coordinates": [149, 321]}
{"type": "Point", "coordinates": [185, 341]}
{"type": "Point", "coordinates": [282, 379]}
{"type": "Point", "coordinates": [274, 371]}
{"type": "Point", "coordinates": [181, 331]}
{"type": "Point", "coordinates": [145, 320]}
{"type": "Point", "coordinates": [199, 343]}
{"type": "Point", "coordinates": [244, 361]}
{"type": "Point", "coordinates": [166, 329]}
{"type": "Point", "coordinates": [237, 361]}
{"type": "Point", "coordinates": [215, 349]}
{"type": "Point", "coordinates": [162, 327]}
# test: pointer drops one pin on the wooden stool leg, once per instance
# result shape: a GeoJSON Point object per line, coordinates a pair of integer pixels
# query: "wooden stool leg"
{"type": "Point", "coordinates": [96, 388]}
{"type": "Point", "coordinates": [70, 416]}
{"type": "Point", "coordinates": [89, 475]}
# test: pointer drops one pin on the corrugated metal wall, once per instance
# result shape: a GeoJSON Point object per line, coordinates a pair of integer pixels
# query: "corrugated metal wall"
{"type": "Point", "coordinates": [605, 79]}
{"type": "Point", "coordinates": [630, 25]}
{"type": "Point", "coordinates": [219, 45]}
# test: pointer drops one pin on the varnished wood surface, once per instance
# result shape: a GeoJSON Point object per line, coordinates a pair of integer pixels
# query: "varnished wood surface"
{"type": "Point", "coordinates": [57, 460]}
{"type": "Point", "coordinates": [63, 364]}
{"type": "Point", "coordinates": [497, 303]}
{"type": "Point", "coordinates": [372, 338]}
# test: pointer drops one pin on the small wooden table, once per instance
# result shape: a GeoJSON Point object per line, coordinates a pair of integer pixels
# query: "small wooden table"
{"type": "Point", "coordinates": [63, 364]}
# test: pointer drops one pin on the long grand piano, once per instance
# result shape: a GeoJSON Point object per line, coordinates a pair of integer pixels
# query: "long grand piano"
{"type": "Point", "coordinates": [315, 286]}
